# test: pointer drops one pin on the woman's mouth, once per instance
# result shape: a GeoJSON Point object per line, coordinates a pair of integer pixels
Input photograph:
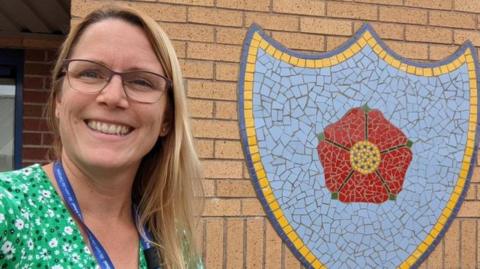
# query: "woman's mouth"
{"type": "Point", "coordinates": [108, 128]}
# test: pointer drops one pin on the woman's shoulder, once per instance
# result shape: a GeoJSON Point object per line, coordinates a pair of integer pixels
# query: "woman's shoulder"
{"type": "Point", "coordinates": [17, 184]}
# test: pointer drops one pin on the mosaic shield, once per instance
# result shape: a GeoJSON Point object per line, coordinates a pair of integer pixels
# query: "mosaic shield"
{"type": "Point", "coordinates": [360, 158]}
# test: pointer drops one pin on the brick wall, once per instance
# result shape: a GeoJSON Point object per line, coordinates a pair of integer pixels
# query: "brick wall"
{"type": "Point", "coordinates": [208, 35]}
{"type": "Point", "coordinates": [36, 85]}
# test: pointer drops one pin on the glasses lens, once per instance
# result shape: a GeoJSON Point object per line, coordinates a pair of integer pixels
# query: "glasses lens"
{"type": "Point", "coordinates": [88, 77]}
{"type": "Point", "coordinates": [144, 86]}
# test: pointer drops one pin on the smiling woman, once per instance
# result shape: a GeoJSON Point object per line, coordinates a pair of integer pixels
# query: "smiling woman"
{"type": "Point", "coordinates": [123, 189]}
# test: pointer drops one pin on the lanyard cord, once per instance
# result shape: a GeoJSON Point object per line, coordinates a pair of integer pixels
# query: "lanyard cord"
{"type": "Point", "coordinates": [98, 251]}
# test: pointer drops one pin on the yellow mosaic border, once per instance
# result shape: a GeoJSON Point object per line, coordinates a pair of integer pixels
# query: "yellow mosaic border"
{"type": "Point", "coordinates": [258, 42]}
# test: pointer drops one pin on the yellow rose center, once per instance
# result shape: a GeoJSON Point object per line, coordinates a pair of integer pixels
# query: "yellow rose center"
{"type": "Point", "coordinates": [364, 157]}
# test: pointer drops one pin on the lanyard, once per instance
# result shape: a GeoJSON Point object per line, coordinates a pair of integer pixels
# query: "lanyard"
{"type": "Point", "coordinates": [98, 251]}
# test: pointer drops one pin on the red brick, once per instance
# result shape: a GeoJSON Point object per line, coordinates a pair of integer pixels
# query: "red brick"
{"type": "Point", "coordinates": [52, 55]}
{"type": "Point", "coordinates": [30, 82]}
{"type": "Point", "coordinates": [47, 139]}
{"type": "Point", "coordinates": [30, 153]}
{"type": "Point", "coordinates": [33, 110]}
{"type": "Point", "coordinates": [37, 69]}
{"type": "Point", "coordinates": [30, 96]}
{"type": "Point", "coordinates": [35, 125]}
{"type": "Point", "coordinates": [34, 55]}
{"type": "Point", "coordinates": [32, 138]}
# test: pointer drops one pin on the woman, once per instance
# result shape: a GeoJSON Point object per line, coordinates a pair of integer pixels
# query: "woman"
{"type": "Point", "coordinates": [126, 169]}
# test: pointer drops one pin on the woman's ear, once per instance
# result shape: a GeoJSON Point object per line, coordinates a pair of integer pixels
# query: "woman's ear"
{"type": "Point", "coordinates": [165, 129]}
{"type": "Point", "coordinates": [167, 122]}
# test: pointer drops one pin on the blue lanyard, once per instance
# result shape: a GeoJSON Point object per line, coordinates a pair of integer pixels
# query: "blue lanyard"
{"type": "Point", "coordinates": [100, 253]}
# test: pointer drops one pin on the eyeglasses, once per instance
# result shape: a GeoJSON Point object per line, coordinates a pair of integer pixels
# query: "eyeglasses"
{"type": "Point", "coordinates": [90, 77]}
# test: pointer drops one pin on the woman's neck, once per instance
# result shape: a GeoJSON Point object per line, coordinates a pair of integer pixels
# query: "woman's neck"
{"type": "Point", "coordinates": [101, 193]}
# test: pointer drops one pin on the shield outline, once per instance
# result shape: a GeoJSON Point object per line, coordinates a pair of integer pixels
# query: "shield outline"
{"type": "Point", "coordinates": [257, 39]}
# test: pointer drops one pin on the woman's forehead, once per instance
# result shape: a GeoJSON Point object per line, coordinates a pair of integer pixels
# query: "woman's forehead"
{"type": "Point", "coordinates": [118, 44]}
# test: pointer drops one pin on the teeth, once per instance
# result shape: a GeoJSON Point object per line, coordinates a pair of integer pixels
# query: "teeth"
{"type": "Point", "coordinates": [108, 128]}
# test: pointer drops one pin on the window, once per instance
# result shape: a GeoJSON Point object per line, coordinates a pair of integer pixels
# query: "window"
{"type": "Point", "coordinates": [7, 122]}
{"type": "Point", "coordinates": [11, 87]}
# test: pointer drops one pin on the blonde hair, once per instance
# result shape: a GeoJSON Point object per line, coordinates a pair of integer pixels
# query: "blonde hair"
{"type": "Point", "coordinates": [167, 186]}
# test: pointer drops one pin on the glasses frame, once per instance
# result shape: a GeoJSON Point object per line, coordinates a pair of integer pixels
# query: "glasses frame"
{"type": "Point", "coordinates": [66, 63]}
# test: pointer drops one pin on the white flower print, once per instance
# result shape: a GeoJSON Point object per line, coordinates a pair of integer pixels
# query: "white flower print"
{"type": "Point", "coordinates": [75, 257]}
{"type": "Point", "coordinates": [45, 193]}
{"type": "Point", "coordinates": [19, 224]}
{"type": "Point", "coordinates": [50, 213]}
{"type": "Point", "coordinates": [24, 213]}
{"type": "Point", "coordinates": [67, 248]}
{"type": "Point", "coordinates": [68, 230]}
{"type": "Point", "coordinates": [27, 171]}
{"type": "Point", "coordinates": [56, 266]}
{"type": "Point", "coordinates": [30, 244]}
{"type": "Point", "coordinates": [7, 247]}
{"type": "Point", "coordinates": [53, 243]}
{"type": "Point", "coordinates": [2, 218]}
{"type": "Point", "coordinates": [44, 254]}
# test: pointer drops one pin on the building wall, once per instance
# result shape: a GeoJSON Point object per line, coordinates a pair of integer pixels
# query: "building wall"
{"type": "Point", "coordinates": [208, 35]}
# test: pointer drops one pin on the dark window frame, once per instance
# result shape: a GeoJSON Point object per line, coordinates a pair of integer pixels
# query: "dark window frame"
{"type": "Point", "coordinates": [14, 58]}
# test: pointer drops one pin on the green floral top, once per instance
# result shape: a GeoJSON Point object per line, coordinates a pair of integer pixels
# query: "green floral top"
{"type": "Point", "coordinates": [36, 229]}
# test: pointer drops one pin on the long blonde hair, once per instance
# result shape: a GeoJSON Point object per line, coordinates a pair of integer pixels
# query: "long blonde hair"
{"type": "Point", "coordinates": [167, 186]}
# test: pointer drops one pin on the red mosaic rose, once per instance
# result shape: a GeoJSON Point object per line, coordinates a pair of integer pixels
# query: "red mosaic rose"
{"type": "Point", "coordinates": [364, 156]}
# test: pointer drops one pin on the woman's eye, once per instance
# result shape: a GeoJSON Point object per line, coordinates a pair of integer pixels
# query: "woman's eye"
{"type": "Point", "coordinates": [90, 74]}
{"type": "Point", "coordinates": [141, 83]}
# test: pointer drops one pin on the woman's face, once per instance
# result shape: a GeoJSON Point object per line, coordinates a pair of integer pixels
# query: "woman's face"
{"type": "Point", "coordinates": [107, 130]}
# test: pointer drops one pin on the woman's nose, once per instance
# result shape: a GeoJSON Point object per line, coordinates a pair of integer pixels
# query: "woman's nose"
{"type": "Point", "coordinates": [113, 94]}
